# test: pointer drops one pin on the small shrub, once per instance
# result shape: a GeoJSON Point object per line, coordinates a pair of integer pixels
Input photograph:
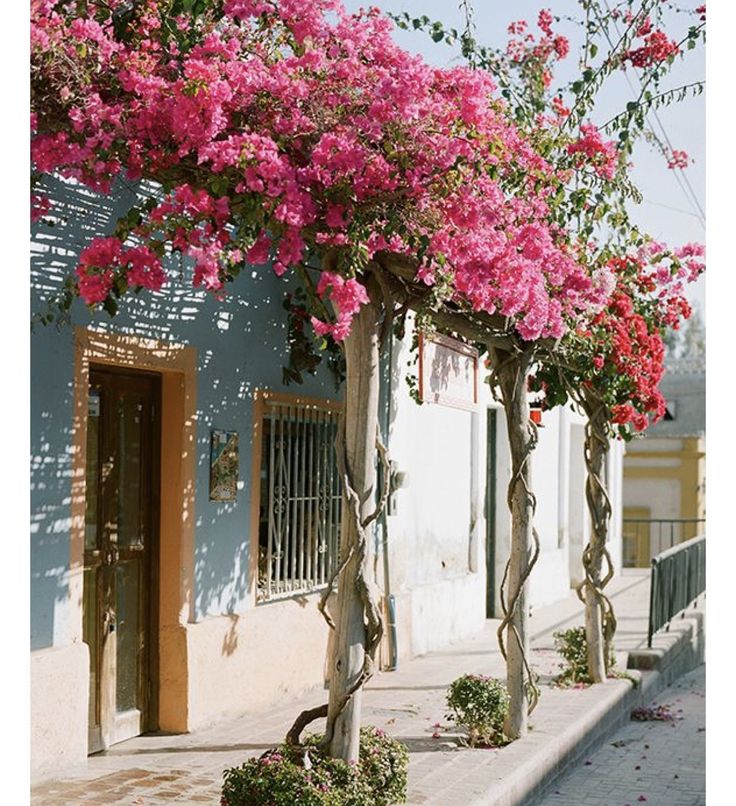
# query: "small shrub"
{"type": "Point", "coordinates": [383, 764]}
{"type": "Point", "coordinates": [479, 704]}
{"type": "Point", "coordinates": [284, 777]}
{"type": "Point", "coordinates": [573, 647]}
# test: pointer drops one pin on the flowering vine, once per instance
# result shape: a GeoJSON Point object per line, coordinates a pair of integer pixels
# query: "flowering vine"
{"type": "Point", "coordinates": [279, 132]}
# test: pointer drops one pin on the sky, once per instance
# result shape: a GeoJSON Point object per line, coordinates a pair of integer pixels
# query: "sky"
{"type": "Point", "coordinates": [667, 212]}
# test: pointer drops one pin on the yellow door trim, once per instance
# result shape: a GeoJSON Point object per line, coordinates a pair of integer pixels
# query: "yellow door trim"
{"type": "Point", "coordinates": [177, 364]}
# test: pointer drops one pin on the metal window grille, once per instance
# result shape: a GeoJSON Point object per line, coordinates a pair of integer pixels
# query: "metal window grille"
{"type": "Point", "coordinates": [301, 500]}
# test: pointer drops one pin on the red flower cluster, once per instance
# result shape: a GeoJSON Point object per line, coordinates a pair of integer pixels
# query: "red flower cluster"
{"type": "Point", "coordinates": [40, 206]}
{"type": "Point", "coordinates": [627, 349]}
{"type": "Point", "coordinates": [657, 47]}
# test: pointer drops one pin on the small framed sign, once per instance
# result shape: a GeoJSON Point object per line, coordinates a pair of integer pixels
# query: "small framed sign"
{"type": "Point", "coordinates": [448, 372]}
{"type": "Point", "coordinates": [224, 468]}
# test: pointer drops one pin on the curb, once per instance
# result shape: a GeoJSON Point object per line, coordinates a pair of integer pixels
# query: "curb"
{"type": "Point", "coordinates": [673, 653]}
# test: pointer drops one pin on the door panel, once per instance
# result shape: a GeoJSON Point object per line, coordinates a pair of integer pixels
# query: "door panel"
{"type": "Point", "coordinates": [490, 512]}
{"type": "Point", "coordinates": [120, 617]}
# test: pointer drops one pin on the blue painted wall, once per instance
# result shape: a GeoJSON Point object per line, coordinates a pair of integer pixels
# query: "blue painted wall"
{"type": "Point", "coordinates": [241, 344]}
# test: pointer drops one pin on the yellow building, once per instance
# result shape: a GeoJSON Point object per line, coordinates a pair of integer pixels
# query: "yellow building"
{"type": "Point", "coordinates": [664, 471]}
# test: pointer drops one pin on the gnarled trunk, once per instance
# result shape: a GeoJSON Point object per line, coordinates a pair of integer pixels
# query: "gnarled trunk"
{"type": "Point", "coordinates": [600, 623]}
{"type": "Point", "coordinates": [512, 376]}
{"type": "Point", "coordinates": [357, 622]}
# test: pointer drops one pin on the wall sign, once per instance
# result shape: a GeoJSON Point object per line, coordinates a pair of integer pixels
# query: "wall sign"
{"type": "Point", "coordinates": [224, 460]}
{"type": "Point", "coordinates": [448, 372]}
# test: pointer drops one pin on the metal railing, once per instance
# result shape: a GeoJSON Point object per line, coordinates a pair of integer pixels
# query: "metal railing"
{"type": "Point", "coordinates": [645, 538]}
{"type": "Point", "coordinates": [677, 579]}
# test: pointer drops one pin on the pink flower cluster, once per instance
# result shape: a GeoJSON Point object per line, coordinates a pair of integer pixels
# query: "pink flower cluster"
{"type": "Point", "coordinates": [603, 156]}
{"type": "Point", "coordinates": [678, 159]}
{"type": "Point", "coordinates": [333, 139]}
{"type": "Point", "coordinates": [526, 47]}
{"type": "Point", "coordinates": [347, 296]}
{"type": "Point", "coordinates": [104, 259]}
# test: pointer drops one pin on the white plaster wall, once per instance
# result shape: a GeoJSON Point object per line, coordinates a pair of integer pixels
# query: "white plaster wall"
{"type": "Point", "coordinates": [59, 704]}
{"type": "Point", "coordinates": [558, 479]}
{"type": "Point", "coordinates": [247, 662]}
{"type": "Point", "coordinates": [433, 517]}
{"type": "Point", "coordinates": [436, 532]}
{"type": "Point", "coordinates": [549, 581]}
{"type": "Point", "coordinates": [579, 517]}
{"type": "Point", "coordinates": [503, 518]}
{"type": "Point", "coordinates": [443, 612]}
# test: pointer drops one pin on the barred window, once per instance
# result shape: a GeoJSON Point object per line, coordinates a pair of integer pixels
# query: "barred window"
{"type": "Point", "coordinates": [300, 500]}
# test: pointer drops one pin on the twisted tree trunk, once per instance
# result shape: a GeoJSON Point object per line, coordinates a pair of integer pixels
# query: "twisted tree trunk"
{"type": "Point", "coordinates": [358, 621]}
{"type": "Point", "coordinates": [512, 374]}
{"type": "Point", "coordinates": [600, 622]}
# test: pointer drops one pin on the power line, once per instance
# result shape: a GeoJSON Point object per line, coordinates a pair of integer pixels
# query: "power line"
{"type": "Point", "coordinates": [684, 175]}
{"type": "Point", "coordinates": [670, 207]}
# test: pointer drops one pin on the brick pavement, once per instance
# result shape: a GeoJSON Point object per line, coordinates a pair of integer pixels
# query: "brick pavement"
{"type": "Point", "coordinates": [409, 702]}
{"type": "Point", "coordinates": [657, 763]}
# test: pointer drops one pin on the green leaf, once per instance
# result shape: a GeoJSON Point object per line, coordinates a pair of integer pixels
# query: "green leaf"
{"type": "Point", "coordinates": [111, 306]}
{"type": "Point", "coordinates": [120, 286]}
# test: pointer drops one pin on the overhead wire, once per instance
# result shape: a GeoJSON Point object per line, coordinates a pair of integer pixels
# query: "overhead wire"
{"type": "Point", "coordinates": [690, 196]}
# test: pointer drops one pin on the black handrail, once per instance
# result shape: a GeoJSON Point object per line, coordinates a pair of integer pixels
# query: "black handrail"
{"type": "Point", "coordinates": [677, 579]}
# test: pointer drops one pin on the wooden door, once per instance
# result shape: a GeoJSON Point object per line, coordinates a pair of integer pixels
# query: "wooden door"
{"type": "Point", "coordinates": [120, 568]}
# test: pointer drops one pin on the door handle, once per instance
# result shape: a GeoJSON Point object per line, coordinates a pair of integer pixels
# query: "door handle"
{"type": "Point", "coordinates": [113, 555]}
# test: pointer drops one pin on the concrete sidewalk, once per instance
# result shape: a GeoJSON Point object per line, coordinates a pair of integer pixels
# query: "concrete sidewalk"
{"type": "Point", "coordinates": [409, 704]}
{"type": "Point", "coordinates": [662, 762]}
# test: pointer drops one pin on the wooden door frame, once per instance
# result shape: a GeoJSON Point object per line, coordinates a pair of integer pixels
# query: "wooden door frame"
{"type": "Point", "coordinates": [177, 365]}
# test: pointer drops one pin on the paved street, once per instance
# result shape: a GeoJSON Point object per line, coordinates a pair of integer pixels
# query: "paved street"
{"type": "Point", "coordinates": [660, 763]}
{"type": "Point", "coordinates": [409, 703]}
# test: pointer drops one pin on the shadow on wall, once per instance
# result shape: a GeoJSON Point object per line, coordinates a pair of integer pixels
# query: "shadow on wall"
{"type": "Point", "coordinates": [53, 253]}
{"type": "Point", "coordinates": [241, 346]}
